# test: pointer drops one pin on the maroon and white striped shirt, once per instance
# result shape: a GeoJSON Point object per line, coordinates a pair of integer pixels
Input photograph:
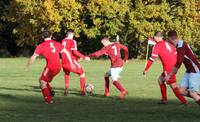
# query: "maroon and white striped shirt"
{"type": "Point", "coordinates": [186, 56]}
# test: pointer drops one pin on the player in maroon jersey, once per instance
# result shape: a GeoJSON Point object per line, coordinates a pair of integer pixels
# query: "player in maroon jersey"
{"type": "Point", "coordinates": [113, 51]}
{"type": "Point", "coordinates": [167, 54]}
{"type": "Point", "coordinates": [191, 80]}
{"type": "Point", "coordinates": [50, 50]}
{"type": "Point", "coordinates": [70, 44]}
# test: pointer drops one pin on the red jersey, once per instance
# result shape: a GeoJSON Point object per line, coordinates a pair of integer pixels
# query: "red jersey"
{"type": "Point", "coordinates": [167, 54]}
{"type": "Point", "coordinates": [71, 46]}
{"type": "Point", "coordinates": [186, 56]}
{"type": "Point", "coordinates": [50, 50]}
{"type": "Point", "coordinates": [113, 51]}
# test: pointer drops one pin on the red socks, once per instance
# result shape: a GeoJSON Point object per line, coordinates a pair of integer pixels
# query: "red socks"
{"type": "Point", "coordinates": [163, 90]}
{"type": "Point", "coordinates": [82, 83]}
{"type": "Point", "coordinates": [107, 85]}
{"type": "Point", "coordinates": [66, 81]}
{"type": "Point", "coordinates": [179, 96]}
{"type": "Point", "coordinates": [118, 86]}
{"type": "Point", "coordinates": [176, 91]}
{"type": "Point", "coordinates": [46, 94]}
{"type": "Point", "coordinates": [48, 86]}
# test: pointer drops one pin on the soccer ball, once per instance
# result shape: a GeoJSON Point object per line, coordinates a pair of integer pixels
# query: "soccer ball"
{"type": "Point", "coordinates": [89, 88]}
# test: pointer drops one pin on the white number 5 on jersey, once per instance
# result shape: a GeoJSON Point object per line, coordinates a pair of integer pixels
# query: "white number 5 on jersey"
{"type": "Point", "coordinates": [53, 49]}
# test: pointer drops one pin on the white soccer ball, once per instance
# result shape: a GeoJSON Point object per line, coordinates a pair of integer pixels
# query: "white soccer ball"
{"type": "Point", "coordinates": [89, 88]}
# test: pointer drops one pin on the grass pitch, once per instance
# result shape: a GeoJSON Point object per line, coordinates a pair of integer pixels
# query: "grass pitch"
{"type": "Point", "coordinates": [21, 99]}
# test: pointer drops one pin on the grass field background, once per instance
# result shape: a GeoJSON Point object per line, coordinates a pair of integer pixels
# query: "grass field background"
{"type": "Point", "coordinates": [21, 99]}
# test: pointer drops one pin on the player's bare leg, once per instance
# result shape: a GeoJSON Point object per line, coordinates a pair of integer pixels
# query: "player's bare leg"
{"type": "Point", "coordinates": [45, 92]}
{"type": "Point", "coordinates": [184, 91]}
{"type": "Point", "coordinates": [67, 75]}
{"type": "Point", "coordinates": [82, 84]}
{"type": "Point", "coordinates": [192, 94]}
{"type": "Point", "coordinates": [178, 93]}
{"type": "Point", "coordinates": [195, 96]}
{"type": "Point", "coordinates": [107, 85]}
{"type": "Point", "coordinates": [163, 90]}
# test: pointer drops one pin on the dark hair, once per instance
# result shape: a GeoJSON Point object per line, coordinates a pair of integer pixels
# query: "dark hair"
{"type": "Point", "coordinates": [172, 33]}
{"type": "Point", "coordinates": [158, 34]}
{"type": "Point", "coordinates": [56, 36]}
{"type": "Point", "coordinates": [69, 31]}
{"type": "Point", "coordinates": [46, 34]}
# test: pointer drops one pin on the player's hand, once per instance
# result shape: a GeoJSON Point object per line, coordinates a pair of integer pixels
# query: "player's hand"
{"type": "Point", "coordinates": [166, 78]}
{"type": "Point", "coordinates": [126, 61]}
{"type": "Point", "coordinates": [87, 58]}
{"type": "Point", "coordinates": [81, 59]}
{"type": "Point", "coordinates": [77, 35]}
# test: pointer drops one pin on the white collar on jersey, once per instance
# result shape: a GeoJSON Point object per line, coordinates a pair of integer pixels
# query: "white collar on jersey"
{"type": "Point", "coordinates": [46, 39]}
{"type": "Point", "coordinates": [180, 43]}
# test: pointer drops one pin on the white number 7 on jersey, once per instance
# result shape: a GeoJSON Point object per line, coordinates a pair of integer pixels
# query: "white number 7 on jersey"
{"type": "Point", "coordinates": [115, 49]}
{"type": "Point", "coordinates": [64, 44]}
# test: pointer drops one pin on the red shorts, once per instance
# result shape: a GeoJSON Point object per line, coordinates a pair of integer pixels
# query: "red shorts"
{"type": "Point", "coordinates": [171, 80]}
{"type": "Point", "coordinates": [48, 74]}
{"type": "Point", "coordinates": [78, 70]}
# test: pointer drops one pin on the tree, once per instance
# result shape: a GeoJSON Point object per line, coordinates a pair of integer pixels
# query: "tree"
{"type": "Point", "coordinates": [195, 34]}
{"type": "Point", "coordinates": [149, 16]}
{"type": "Point", "coordinates": [106, 17]}
{"type": "Point", "coordinates": [133, 20]}
{"type": "Point", "coordinates": [7, 39]}
{"type": "Point", "coordinates": [70, 12]}
{"type": "Point", "coordinates": [183, 14]}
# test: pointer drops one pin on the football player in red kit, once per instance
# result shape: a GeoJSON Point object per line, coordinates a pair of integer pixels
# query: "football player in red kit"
{"type": "Point", "coordinates": [191, 80]}
{"type": "Point", "coordinates": [167, 54]}
{"type": "Point", "coordinates": [50, 50]}
{"type": "Point", "coordinates": [70, 44]}
{"type": "Point", "coordinates": [113, 51]}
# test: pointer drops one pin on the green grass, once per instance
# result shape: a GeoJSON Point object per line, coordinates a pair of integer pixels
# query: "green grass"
{"type": "Point", "coordinates": [21, 100]}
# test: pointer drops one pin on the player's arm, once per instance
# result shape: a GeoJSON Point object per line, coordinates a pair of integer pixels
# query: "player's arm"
{"type": "Point", "coordinates": [37, 52]}
{"type": "Point", "coordinates": [126, 53]}
{"type": "Point", "coordinates": [154, 55]}
{"type": "Point", "coordinates": [77, 53]}
{"type": "Point", "coordinates": [30, 61]}
{"type": "Point", "coordinates": [98, 53]}
{"type": "Point", "coordinates": [179, 61]}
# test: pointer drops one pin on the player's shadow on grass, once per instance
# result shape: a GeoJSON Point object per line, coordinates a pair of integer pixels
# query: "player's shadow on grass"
{"type": "Point", "coordinates": [19, 89]}
{"type": "Point", "coordinates": [7, 96]}
{"type": "Point", "coordinates": [59, 91]}
{"type": "Point", "coordinates": [83, 108]}
{"type": "Point", "coordinates": [72, 91]}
